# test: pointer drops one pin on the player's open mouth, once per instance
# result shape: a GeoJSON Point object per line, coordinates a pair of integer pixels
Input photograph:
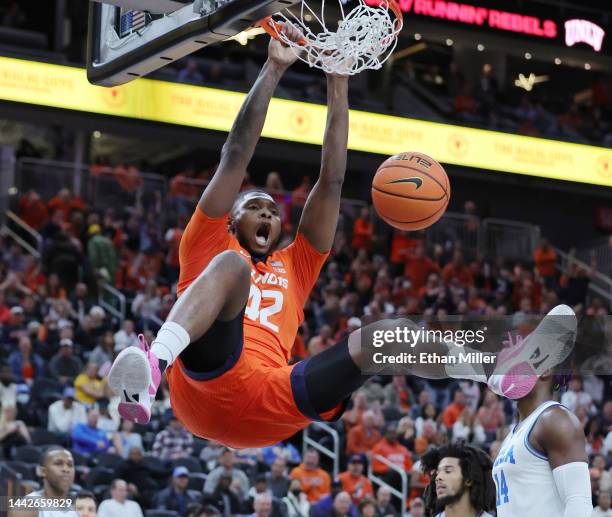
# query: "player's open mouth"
{"type": "Point", "coordinates": [262, 234]}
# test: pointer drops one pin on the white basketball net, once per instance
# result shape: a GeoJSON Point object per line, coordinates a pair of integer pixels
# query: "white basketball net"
{"type": "Point", "coordinates": [363, 39]}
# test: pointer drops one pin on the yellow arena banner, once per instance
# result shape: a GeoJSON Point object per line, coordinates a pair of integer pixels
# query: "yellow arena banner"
{"type": "Point", "coordinates": [195, 106]}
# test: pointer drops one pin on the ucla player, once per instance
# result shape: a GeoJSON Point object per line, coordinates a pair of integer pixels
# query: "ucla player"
{"type": "Point", "coordinates": [541, 468]}
{"type": "Point", "coordinates": [460, 482]}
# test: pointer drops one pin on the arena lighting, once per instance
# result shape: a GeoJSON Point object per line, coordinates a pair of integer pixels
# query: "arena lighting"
{"type": "Point", "coordinates": [587, 66]}
{"type": "Point", "coordinates": [527, 55]}
{"type": "Point", "coordinates": [527, 83]}
{"type": "Point", "coordinates": [558, 61]}
{"type": "Point", "coordinates": [97, 134]}
{"type": "Point", "coordinates": [584, 31]}
{"type": "Point", "coordinates": [480, 47]}
{"type": "Point", "coordinates": [417, 36]}
{"type": "Point", "coordinates": [476, 15]}
{"type": "Point", "coordinates": [449, 42]}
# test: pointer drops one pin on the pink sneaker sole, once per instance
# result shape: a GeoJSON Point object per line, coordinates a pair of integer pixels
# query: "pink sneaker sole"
{"type": "Point", "coordinates": [134, 412]}
{"type": "Point", "coordinates": [518, 381]}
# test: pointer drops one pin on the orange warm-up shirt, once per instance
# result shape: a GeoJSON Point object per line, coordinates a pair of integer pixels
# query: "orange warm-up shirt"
{"type": "Point", "coordinates": [279, 286]}
{"type": "Point", "coordinates": [396, 453]}
{"type": "Point", "coordinates": [315, 483]}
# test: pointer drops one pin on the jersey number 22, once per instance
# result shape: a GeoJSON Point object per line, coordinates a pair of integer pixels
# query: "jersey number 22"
{"type": "Point", "coordinates": [255, 312]}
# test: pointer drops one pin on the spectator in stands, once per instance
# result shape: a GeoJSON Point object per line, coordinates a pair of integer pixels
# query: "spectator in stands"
{"type": "Point", "coordinates": [363, 230]}
{"type": "Point", "coordinates": [417, 508]}
{"type": "Point", "coordinates": [296, 501]}
{"type": "Point", "coordinates": [33, 210]}
{"type": "Point", "coordinates": [283, 450]}
{"type": "Point", "coordinates": [367, 507]}
{"type": "Point", "coordinates": [468, 429]}
{"type": "Point", "coordinates": [603, 508]}
{"type": "Point", "coordinates": [393, 451]}
{"type": "Point", "coordinates": [316, 483]}
{"type": "Point", "coordinates": [455, 80]}
{"type": "Point", "coordinates": [13, 432]}
{"type": "Point", "coordinates": [85, 504]}
{"type": "Point", "coordinates": [173, 442]}
{"type": "Point", "coordinates": [397, 394]}
{"type": "Point", "coordinates": [175, 497]}
{"type": "Point", "coordinates": [8, 388]}
{"type": "Point", "coordinates": [209, 455]}
{"type": "Point", "coordinates": [190, 73]}
{"type": "Point", "coordinates": [352, 417]}
{"type": "Point", "coordinates": [125, 336]}
{"type": "Point", "coordinates": [223, 496]}
{"type": "Point", "coordinates": [277, 478]}
{"type": "Point", "coordinates": [119, 504]}
{"type": "Point", "coordinates": [491, 414]}
{"type": "Point", "coordinates": [226, 467]}
{"type": "Point", "coordinates": [64, 365]}
{"type": "Point", "coordinates": [15, 328]}
{"type": "Point", "coordinates": [262, 505]}
{"type": "Point", "coordinates": [109, 419]}
{"type": "Point", "coordinates": [341, 507]}
{"type": "Point", "coordinates": [63, 259]}
{"type": "Point", "coordinates": [88, 386]}
{"type": "Point", "coordinates": [14, 258]}
{"type": "Point", "coordinates": [101, 254]}
{"type": "Point", "coordinates": [362, 437]}
{"type": "Point", "coordinates": [384, 508]}
{"type": "Point", "coordinates": [457, 270]}
{"type": "Point", "coordinates": [575, 396]}
{"type": "Point", "coordinates": [136, 470]}
{"type": "Point", "coordinates": [406, 433]}
{"type": "Point", "coordinates": [545, 259]}
{"type": "Point", "coordinates": [452, 411]}
{"type": "Point", "coordinates": [87, 439]}
{"type": "Point", "coordinates": [26, 366]}
{"type": "Point", "coordinates": [64, 414]}
{"type": "Point", "coordinates": [146, 305]}
{"type": "Point", "coordinates": [80, 300]}
{"type": "Point", "coordinates": [418, 267]}
{"type": "Point", "coordinates": [105, 351]}
{"type": "Point", "coordinates": [126, 439]}
{"type": "Point", "coordinates": [66, 203]}
{"type": "Point", "coordinates": [354, 482]}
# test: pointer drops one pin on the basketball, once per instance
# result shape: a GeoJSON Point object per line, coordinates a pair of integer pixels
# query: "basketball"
{"type": "Point", "coordinates": [410, 191]}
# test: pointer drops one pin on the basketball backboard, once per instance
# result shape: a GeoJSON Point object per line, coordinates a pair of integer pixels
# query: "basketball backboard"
{"type": "Point", "coordinates": [124, 44]}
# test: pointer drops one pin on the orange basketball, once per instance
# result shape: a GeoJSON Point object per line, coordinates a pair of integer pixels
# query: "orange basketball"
{"type": "Point", "coordinates": [410, 191]}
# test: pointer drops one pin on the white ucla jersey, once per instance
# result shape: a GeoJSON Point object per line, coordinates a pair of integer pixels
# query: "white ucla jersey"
{"type": "Point", "coordinates": [523, 478]}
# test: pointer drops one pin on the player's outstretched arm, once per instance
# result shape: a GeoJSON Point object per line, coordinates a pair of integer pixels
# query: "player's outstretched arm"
{"type": "Point", "coordinates": [562, 437]}
{"type": "Point", "coordinates": [239, 147]}
{"type": "Point", "coordinates": [320, 215]}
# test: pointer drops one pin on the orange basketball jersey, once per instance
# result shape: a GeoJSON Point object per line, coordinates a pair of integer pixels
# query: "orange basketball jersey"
{"type": "Point", "coordinates": [279, 286]}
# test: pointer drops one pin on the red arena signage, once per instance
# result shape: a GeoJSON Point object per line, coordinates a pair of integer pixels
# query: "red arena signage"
{"type": "Point", "coordinates": [476, 15]}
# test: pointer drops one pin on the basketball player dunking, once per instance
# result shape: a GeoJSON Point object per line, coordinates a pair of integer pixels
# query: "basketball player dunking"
{"type": "Point", "coordinates": [227, 340]}
{"type": "Point", "coordinates": [541, 468]}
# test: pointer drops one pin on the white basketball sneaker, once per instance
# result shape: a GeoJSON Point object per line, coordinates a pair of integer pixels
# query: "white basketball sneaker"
{"type": "Point", "coordinates": [518, 367]}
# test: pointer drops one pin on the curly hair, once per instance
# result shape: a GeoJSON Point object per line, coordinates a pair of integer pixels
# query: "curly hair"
{"type": "Point", "coordinates": [476, 467]}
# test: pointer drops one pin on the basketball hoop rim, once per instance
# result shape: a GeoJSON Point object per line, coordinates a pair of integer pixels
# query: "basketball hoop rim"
{"type": "Point", "coordinates": [273, 28]}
